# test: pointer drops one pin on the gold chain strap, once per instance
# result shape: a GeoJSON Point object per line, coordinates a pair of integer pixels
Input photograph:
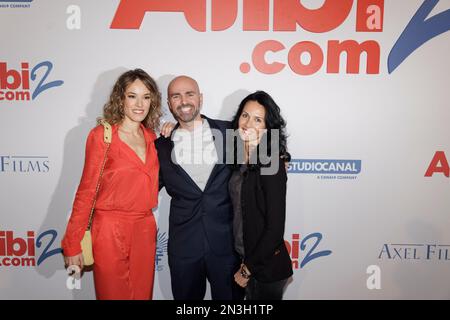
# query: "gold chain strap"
{"type": "Point", "coordinates": [91, 216]}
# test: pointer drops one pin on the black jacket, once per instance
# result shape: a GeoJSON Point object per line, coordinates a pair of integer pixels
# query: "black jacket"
{"type": "Point", "coordinates": [264, 211]}
{"type": "Point", "coordinates": [196, 216]}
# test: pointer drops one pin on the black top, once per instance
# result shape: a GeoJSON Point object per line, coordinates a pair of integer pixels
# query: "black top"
{"type": "Point", "coordinates": [263, 204]}
{"type": "Point", "coordinates": [235, 187]}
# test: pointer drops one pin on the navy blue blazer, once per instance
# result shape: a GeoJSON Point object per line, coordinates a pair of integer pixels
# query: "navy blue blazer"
{"type": "Point", "coordinates": [196, 216]}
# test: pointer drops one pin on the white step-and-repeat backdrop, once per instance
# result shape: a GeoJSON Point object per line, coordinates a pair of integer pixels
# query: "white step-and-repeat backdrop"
{"type": "Point", "coordinates": [363, 84]}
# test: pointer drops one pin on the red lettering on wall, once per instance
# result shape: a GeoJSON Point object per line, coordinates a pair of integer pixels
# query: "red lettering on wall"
{"type": "Point", "coordinates": [13, 79]}
{"type": "Point", "coordinates": [289, 13]}
{"type": "Point", "coordinates": [15, 246]}
{"type": "Point", "coordinates": [316, 58]}
{"type": "Point", "coordinates": [354, 51]}
{"type": "Point", "coordinates": [130, 13]}
{"type": "Point", "coordinates": [352, 48]}
{"type": "Point", "coordinates": [439, 164]}
{"type": "Point", "coordinates": [256, 15]}
{"type": "Point", "coordinates": [370, 16]}
{"type": "Point", "coordinates": [224, 14]}
{"type": "Point", "coordinates": [259, 54]}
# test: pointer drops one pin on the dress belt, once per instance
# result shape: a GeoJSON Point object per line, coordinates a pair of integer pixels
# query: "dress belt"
{"type": "Point", "coordinates": [132, 215]}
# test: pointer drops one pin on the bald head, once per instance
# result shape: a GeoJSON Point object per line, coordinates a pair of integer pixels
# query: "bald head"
{"type": "Point", "coordinates": [184, 99]}
{"type": "Point", "coordinates": [182, 81]}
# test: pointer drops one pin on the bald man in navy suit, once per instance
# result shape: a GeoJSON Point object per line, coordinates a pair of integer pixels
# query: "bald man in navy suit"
{"type": "Point", "coordinates": [201, 215]}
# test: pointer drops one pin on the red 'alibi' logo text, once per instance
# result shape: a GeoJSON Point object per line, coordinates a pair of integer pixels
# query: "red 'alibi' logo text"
{"type": "Point", "coordinates": [287, 15]}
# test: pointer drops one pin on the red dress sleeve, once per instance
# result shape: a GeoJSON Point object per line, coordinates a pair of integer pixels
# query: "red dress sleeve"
{"type": "Point", "coordinates": [95, 148]}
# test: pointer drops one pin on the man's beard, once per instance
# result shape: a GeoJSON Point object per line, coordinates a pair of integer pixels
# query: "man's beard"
{"type": "Point", "coordinates": [183, 117]}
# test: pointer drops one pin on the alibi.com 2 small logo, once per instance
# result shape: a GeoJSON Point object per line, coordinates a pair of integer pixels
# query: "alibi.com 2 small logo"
{"type": "Point", "coordinates": [26, 83]}
{"type": "Point", "coordinates": [21, 252]}
{"type": "Point", "coordinates": [304, 250]}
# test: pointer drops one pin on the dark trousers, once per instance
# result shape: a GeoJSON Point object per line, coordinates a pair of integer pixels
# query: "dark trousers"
{"type": "Point", "coordinates": [189, 276]}
{"type": "Point", "coordinates": [257, 290]}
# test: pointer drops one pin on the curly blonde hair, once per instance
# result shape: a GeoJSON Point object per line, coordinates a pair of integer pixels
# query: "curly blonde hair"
{"type": "Point", "coordinates": [113, 110]}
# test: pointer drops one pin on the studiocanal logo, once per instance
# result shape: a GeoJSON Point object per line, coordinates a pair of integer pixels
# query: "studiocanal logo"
{"type": "Point", "coordinates": [326, 169]}
{"type": "Point", "coordinates": [15, 85]}
{"type": "Point", "coordinates": [24, 164]}
{"type": "Point", "coordinates": [21, 252]}
{"type": "Point", "coordinates": [15, 4]}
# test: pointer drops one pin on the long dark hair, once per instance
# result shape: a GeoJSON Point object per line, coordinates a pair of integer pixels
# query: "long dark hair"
{"type": "Point", "coordinates": [273, 120]}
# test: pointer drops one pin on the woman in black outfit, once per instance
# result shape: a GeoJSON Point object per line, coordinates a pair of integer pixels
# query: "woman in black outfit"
{"type": "Point", "coordinates": [259, 197]}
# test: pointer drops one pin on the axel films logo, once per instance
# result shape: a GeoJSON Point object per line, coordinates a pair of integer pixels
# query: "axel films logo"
{"type": "Point", "coordinates": [24, 164]}
{"type": "Point", "coordinates": [16, 251]}
{"type": "Point", "coordinates": [23, 84]}
{"type": "Point", "coordinates": [326, 169]}
{"type": "Point", "coordinates": [303, 251]}
{"type": "Point", "coordinates": [415, 252]}
{"type": "Point", "coordinates": [272, 56]}
{"type": "Point", "coordinates": [15, 4]}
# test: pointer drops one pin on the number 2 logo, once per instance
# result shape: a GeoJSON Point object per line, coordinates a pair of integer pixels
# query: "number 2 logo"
{"type": "Point", "coordinates": [311, 255]}
{"type": "Point", "coordinates": [41, 87]}
{"type": "Point", "coordinates": [47, 253]}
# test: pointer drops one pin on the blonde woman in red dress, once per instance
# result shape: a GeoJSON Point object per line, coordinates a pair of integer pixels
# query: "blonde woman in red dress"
{"type": "Point", "coordinates": [123, 229]}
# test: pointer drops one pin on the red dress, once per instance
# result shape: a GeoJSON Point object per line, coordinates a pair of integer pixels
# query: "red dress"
{"type": "Point", "coordinates": [123, 229]}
